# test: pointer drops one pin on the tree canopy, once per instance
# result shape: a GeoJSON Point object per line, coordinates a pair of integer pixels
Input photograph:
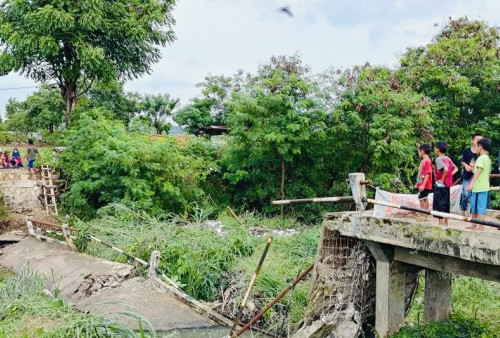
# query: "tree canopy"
{"type": "Point", "coordinates": [75, 43]}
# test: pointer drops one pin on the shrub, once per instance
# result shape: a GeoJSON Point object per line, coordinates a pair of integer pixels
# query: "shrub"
{"type": "Point", "coordinates": [106, 164]}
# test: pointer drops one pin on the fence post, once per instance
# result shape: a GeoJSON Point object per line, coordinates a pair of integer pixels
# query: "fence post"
{"type": "Point", "coordinates": [31, 230]}
{"type": "Point", "coordinates": [358, 188]}
{"type": "Point", "coordinates": [154, 261]}
{"type": "Point", "coordinates": [66, 233]}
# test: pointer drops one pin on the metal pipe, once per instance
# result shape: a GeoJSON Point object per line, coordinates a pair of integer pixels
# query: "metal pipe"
{"type": "Point", "coordinates": [233, 333]}
{"type": "Point", "coordinates": [275, 300]}
{"type": "Point", "coordinates": [434, 213]}
{"type": "Point", "coordinates": [313, 200]}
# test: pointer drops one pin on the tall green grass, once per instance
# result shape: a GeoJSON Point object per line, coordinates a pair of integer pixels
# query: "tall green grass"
{"type": "Point", "coordinates": [472, 299]}
{"type": "Point", "coordinates": [25, 311]}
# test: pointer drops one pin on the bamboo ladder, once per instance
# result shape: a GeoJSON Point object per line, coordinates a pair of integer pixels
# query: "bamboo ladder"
{"type": "Point", "coordinates": [49, 190]}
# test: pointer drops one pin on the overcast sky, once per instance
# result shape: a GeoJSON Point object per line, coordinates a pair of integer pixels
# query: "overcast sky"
{"type": "Point", "coordinates": [222, 36]}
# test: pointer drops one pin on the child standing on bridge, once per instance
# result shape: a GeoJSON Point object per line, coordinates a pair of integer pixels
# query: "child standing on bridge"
{"type": "Point", "coordinates": [424, 181]}
{"type": "Point", "coordinates": [480, 182]}
{"type": "Point", "coordinates": [443, 173]}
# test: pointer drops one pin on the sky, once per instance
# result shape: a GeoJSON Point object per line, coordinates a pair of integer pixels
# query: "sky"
{"type": "Point", "coordinates": [222, 36]}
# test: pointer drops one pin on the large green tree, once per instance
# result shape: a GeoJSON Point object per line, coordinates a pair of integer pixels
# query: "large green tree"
{"type": "Point", "coordinates": [460, 72]}
{"type": "Point", "coordinates": [75, 43]}
{"type": "Point", "coordinates": [279, 147]}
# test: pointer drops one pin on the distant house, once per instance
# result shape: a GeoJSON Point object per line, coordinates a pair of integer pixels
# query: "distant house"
{"type": "Point", "coordinates": [212, 130]}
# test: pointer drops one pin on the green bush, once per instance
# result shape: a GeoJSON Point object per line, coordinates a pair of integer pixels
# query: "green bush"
{"type": "Point", "coordinates": [105, 164]}
{"type": "Point", "coordinates": [456, 327]}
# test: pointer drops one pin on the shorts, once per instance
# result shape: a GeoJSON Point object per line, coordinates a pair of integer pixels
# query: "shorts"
{"type": "Point", "coordinates": [441, 200]}
{"type": "Point", "coordinates": [31, 164]}
{"type": "Point", "coordinates": [479, 203]}
{"type": "Point", "coordinates": [423, 195]}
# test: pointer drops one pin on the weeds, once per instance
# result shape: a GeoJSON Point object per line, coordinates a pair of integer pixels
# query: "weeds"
{"type": "Point", "coordinates": [26, 312]}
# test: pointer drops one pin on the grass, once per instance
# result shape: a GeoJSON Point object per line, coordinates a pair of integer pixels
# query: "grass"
{"type": "Point", "coordinates": [207, 264]}
{"type": "Point", "coordinates": [472, 298]}
{"type": "Point", "coordinates": [25, 311]}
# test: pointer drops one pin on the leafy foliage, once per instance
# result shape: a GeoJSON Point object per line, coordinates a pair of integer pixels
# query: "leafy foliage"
{"type": "Point", "coordinates": [458, 327]}
{"type": "Point", "coordinates": [43, 110]}
{"type": "Point", "coordinates": [106, 164]}
{"type": "Point", "coordinates": [75, 43]}
{"type": "Point", "coordinates": [156, 109]}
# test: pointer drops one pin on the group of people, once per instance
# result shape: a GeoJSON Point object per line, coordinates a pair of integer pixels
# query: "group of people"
{"type": "Point", "coordinates": [475, 178]}
{"type": "Point", "coordinates": [15, 160]}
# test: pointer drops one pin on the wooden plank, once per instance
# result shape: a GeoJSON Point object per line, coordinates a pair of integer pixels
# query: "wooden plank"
{"type": "Point", "coordinates": [448, 264]}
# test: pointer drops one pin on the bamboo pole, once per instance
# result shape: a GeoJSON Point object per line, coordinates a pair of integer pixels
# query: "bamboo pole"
{"type": "Point", "coordinates": [436, 213]}
{"type": "Point", "coordinates": [234, 215]}
{"type": "Point", "coordinates": [313, 200]}
{"type": "Point", "coordinates": [275, 300]}
{"type": "Point", "coordinates": [232, 333]}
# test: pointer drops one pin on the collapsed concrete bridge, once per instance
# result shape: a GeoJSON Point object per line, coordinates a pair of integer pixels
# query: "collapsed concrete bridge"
{"type": "Point", "coordinates": [366, 269]}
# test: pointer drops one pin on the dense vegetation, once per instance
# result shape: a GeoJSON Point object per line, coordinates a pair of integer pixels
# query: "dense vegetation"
{"type": "Point", "coordinates": [292, 134]}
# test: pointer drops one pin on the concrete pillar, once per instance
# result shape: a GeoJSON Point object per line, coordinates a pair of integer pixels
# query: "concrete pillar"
{"type": "Point", "coordinates": [390, 289]}
{"type": "Point", "coordinates": [358, 189]}
{"type": "Point", "coordinates": [154, 261]}
{"type": "Point", "coordinates": [437, 295]}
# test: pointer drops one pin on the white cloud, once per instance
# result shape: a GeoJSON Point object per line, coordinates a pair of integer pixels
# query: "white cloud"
{"type": "Point", "coordinates": [222, 36]}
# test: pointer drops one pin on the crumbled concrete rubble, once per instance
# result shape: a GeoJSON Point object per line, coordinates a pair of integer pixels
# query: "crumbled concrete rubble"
{"type": "Point", "coordinates": [216, 226]}
{"type": "Point", "coordinates": [262, 231]}
{"type": "Point", "coordinates": [94, 283]}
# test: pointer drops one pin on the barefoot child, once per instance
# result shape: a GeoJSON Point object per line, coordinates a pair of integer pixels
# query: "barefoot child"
{"type": "Point", "coordinates": [424, 181]}
{"type": "Point", "coordinates": [480, 182]}
{"type": "Point", "coordinates": [443, 173]}
{"type": "Point", "coordinates": [31, 153]}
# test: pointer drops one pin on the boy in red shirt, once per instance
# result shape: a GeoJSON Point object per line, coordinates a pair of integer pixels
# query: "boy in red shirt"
{"type": "Point", "coordinates": [443, 174]}
{"type": "Point", "coordinates": [424, 181]}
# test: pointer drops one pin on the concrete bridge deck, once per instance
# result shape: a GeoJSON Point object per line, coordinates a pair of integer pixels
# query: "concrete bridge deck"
{"type": "Point", "coordinates": [100, 286]}
{"type": "Point", "coordinates": [404, 245]}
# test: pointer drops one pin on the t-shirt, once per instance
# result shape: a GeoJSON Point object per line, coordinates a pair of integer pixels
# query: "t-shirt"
{"type": "Point", "coordinates": [467, 156]}
{"type": "Point", "coordinates": [31, 155]}
{"type": "Point", "coordinates": [441, 162]}
{"type": "Point", "coordinates": [424, 169]}
{"type": "Point", "coordinates": [482, 183]}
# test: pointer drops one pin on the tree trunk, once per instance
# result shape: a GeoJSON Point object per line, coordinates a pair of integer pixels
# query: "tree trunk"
{"type": "Point", "coordinates": [282, 182]}
{"type": "Point", "coordinates": [68, 92]}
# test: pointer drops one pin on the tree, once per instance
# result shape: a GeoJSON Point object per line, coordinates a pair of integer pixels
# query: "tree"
{"type": "Point", "coordinates": [279, 146]}
{"type": "Point", "coordinates": [157, 108]}
{"type": "Point", "coordinates": [211, 106]}
{"type": "Point", "coordinates": [460, 72]}
{"type": "Point", "coordinates": [111, 97]}
{"type": "Point", "coordinates": [75, 43]}
{"type": "Point", "coordinates": [43, 110]}
{"type": "Point", "coordinates": [378, 123]}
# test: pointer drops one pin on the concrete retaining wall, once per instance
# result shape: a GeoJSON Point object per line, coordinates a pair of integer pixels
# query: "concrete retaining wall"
{"type": "Point", "coordinates": [20, 193]}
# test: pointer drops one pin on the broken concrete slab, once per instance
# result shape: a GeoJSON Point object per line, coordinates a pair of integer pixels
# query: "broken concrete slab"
{"type": "Point", "coordinates": [97, 285]}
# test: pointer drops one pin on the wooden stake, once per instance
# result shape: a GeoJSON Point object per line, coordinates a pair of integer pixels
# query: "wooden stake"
{"type": "Point", "coordinates": [275, 300]}
{"type": "Point", "coordinates": [232, 333]}
{"type": "Point", "coordinates": [234, 215]}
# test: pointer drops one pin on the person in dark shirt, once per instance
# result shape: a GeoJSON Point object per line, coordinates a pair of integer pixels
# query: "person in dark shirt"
{"type": "Point", "coordinates": [469, 157]}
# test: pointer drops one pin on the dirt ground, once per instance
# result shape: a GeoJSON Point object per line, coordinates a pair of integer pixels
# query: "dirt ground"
{"type": "Point", "coordinates": [17, 221]}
